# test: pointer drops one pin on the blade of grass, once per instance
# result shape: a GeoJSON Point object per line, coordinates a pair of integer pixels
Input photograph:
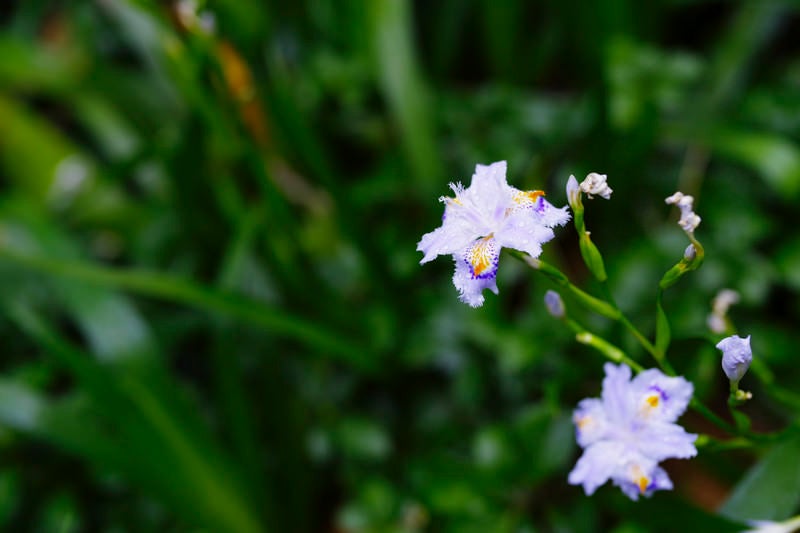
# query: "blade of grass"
{"type": "Point", "coordinates": [229, 382]}
{"type": "Point", "coordinates": [398, 70]}
{"type": "Point", "coordinates": [183, 291]}
{"type": "Point", "coordinates": [198, 482]}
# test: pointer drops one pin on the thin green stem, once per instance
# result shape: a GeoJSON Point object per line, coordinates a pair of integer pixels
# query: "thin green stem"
{"type": "Point", "coordinates": [657, 354]}
{"type": "Point", "coordinates": [611, 310]}
{"type": "Point", "coordinates": [608, 350]}
{"type": "Point", "coordinates": [640, 337]}
{"type": "Point", "coordinates": [708, 443]}
{"type": "Point", "coordinates": [709, 415]}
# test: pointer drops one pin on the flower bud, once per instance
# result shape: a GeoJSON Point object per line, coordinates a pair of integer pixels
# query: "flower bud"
{"type": "Point", "coordinates": [592, 257]}
{"type": "Point", "coordinates": [718, 321]}
{"type": "Point", "coordinates": [574, 194]}
{"type": "Point", "coordinates": [724, 300]}
{"type": "Point", "coordinates": [743, 395]}
{"type": "Point", "coordinates": [736, 356]}
{"type": "Point", "coordinates": [554, 304]}
{"type": "Point", "coordinates": [595, 184]}
{"type": "Point", "coordinates": [689, 219]}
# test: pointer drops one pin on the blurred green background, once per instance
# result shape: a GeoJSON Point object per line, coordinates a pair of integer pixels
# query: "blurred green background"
{"type": "Point", "coordinates": [212, 313]}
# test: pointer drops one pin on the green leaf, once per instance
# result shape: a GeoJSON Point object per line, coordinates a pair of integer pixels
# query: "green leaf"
{"type": "Point", "coordinates": [9, 495]}
{"type": "Point", "coordinates": [62, 423]}
{"type": "Point", "coordinates": [775, 158]}
{"type": "Point", "coordinates": [30, 67]}
{"type": "Point", "coordinates": [110, 322]}
{"type": "Point", "coordinates": [150, 434]}
{"type": "Point", "coordinates": [771, 489]}
{"type": "Point", "coordinates": [363, 439]}
{"type": "Point", "coordinates": [667, 513]}
{"type": "Point", "coordinates": [396, 64]}
{"type": "Point", "coordinates": [180, 290]}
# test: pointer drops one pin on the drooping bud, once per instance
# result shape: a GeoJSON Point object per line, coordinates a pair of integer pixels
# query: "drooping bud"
{"type": "Point", "coordinates": [595, 184]}
{"type": "Point", "coordinates": [689, 219]}
{"type": "Point", "coordinates": [718, 321]}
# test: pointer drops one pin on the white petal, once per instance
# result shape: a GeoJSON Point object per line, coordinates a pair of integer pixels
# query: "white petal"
{"type": "Point", "coordinates": [573, 190]}
{"type": "Point", "coordinates": [617, 393]}
{"type": "Point", "coordinates": [598, 462]}
{"type": "Point", "coordinates": [453, 235]}
{"type": "Point", "coordinates": [591, 424]}
{"type": "Point", "coordinates": [665, 440]}
{"type": "Point", "coordinates": [489, 196]}
{"type": "Point", "coordinates": [476, 270]}
{"type": "Point", "coordinates": [489, 179]}
{"type": "Point", "coordinates": [661, 397]}
{"type": "Point", "coordinates": [639, 476]}
{"type": "Point", "coordinates": [521, 231]}
{"type": "Point", "coordinates": [551, 216]}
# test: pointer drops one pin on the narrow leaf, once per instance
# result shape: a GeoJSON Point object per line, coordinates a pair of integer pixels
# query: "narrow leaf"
{"type": "Point", "coordinates": [771, 489]}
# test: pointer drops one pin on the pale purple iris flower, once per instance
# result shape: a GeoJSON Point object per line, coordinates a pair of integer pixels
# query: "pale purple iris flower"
{"type": "Point", "coordinates": [630, 429]}
{"type": "Point", "coordinates": [481, 220]}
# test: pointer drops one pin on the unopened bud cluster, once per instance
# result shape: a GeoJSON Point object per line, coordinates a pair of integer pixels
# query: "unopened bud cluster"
{"type": "Point", "coordinates": [689, 219]}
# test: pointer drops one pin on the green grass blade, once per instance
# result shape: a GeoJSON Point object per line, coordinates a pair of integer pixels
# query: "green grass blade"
{"type": "Point", "coordinates": [183, 291]}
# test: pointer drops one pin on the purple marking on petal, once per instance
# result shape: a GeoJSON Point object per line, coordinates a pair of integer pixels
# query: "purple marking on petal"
{"type": "Point", "coordinates": [482, 258]}
{"type": "Point", "coordinates": [633, 435]}
{"type": "Point", "coordinates": [660, 391]}
{"type": "Point", "coordinates": [489, 274]}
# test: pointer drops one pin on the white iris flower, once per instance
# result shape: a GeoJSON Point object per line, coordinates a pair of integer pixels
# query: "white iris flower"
{"type": "Point", "coordinates": [630, 429]}
{"type": "Point", "coordinates": [484, 218]}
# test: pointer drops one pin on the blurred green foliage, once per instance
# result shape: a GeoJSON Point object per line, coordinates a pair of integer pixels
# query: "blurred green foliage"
{"type": "Point", "coordinates": [212, 314]}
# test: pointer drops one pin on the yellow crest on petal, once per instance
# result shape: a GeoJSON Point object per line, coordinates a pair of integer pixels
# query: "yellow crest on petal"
{"type": "Point", "coordinates": [527, 197]}
{"type": "Point", "coordinates": [639, 478]}
{"type": "Point", "coordinates": [481, 255]}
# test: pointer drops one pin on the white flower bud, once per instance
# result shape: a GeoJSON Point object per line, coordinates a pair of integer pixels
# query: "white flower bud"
{"type": "Point", "coordinates": [736, 356]}
{"type": "Point", "coordinates": [573, 192]}
{"type": "Point", "coordinates": [717, 320]}
{"type": "Point", "coordinates": [724, 300]}
{"type": "Point", "coordinates": [716, 323]}
{"type": "Point", "coordinates": [596, 184]}
{"type": "Point", "coordinates": [689, 220]}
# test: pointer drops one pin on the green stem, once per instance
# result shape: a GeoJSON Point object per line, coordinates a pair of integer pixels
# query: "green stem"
{"type": "Point", "coordinates": [608, 350]}
{"type": "Point", "coordinates": [559, 278]}
{"type": "Point", "coordinates": [642, 339]}
{"type": "Point", "coordinates": [612, 352]}
{"type": "Point", "coordinates": [708, 443]}
{"type": "Point", "coordinates": [657, 354]}
{"type": "Point", "coordinates": [606, 308]}
{"type": "Point", "coordinates": [711, 417]}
